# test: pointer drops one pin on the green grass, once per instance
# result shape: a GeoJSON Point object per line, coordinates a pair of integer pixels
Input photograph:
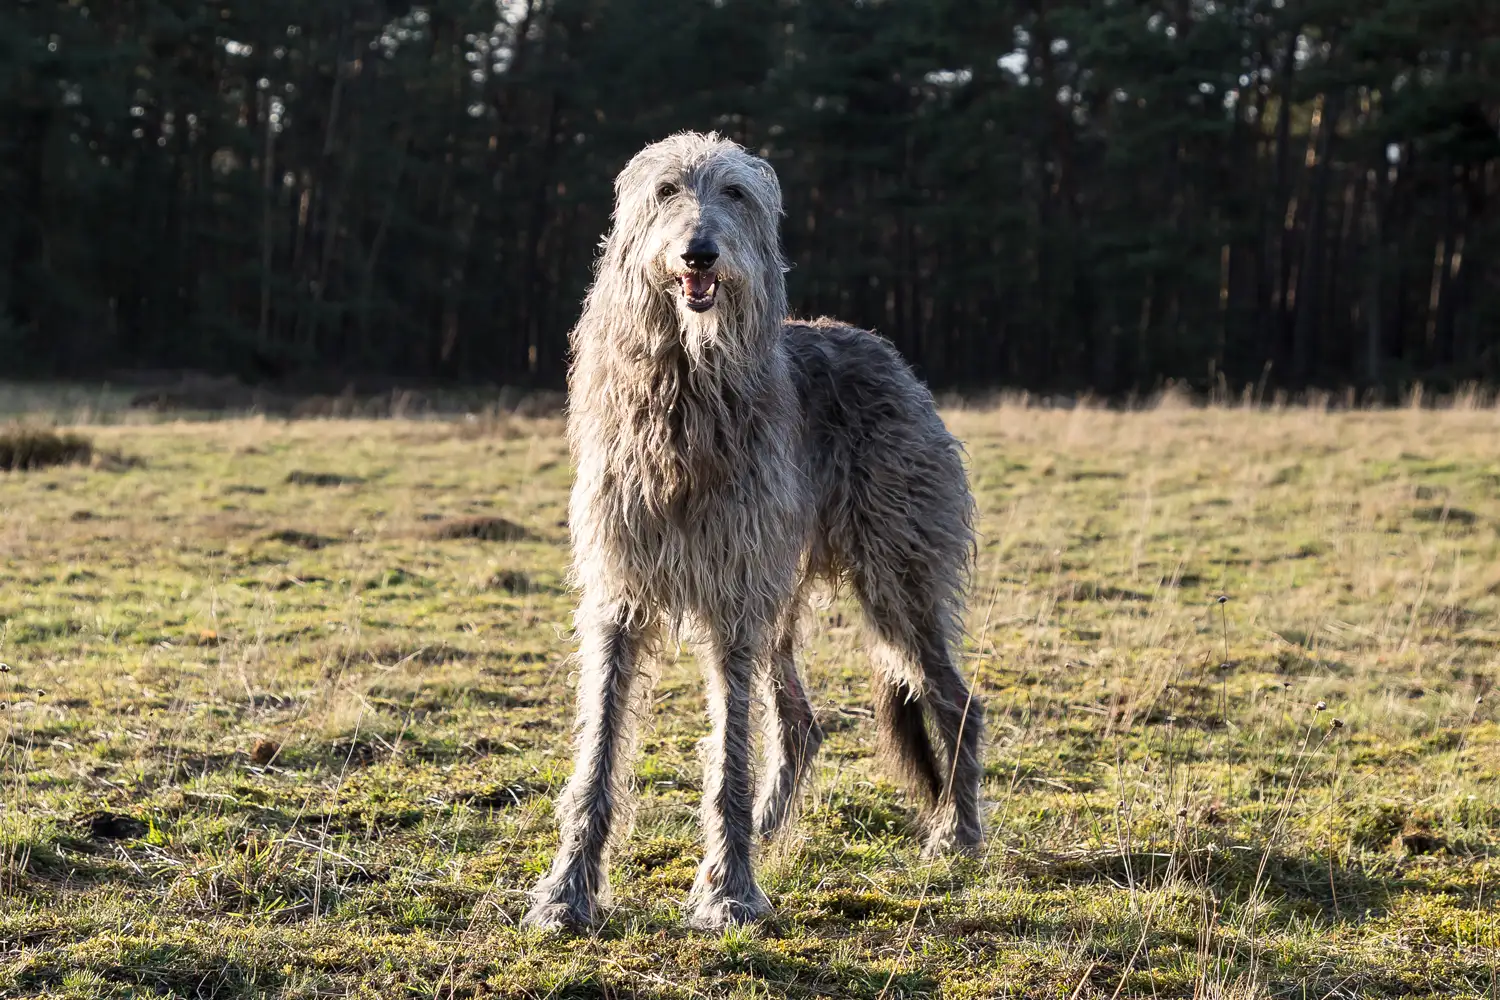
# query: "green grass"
{"type": "Point", "coordinates": [286, 705]}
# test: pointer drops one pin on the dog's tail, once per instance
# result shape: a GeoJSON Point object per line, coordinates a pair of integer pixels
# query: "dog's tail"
{"type": "Point", "coordinates": [901, 734]}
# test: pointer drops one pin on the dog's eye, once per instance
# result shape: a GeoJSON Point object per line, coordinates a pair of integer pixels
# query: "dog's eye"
{"type": "Point", "coordinates": [666, 191]}
{"type": "Point", "coordinates": [735, 192]}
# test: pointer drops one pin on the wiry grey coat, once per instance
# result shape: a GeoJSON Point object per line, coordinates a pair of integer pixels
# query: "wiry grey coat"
{"type": "Point", "coordinates": [726, 459]}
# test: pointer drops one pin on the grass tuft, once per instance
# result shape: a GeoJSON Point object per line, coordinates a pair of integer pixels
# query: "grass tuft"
{"type": "Point", "coordinates": [301, 539]}
{"type": "Point", "coordinates": [25, 448]}
{"type": "Point", "coordinates": [300, 477]}
{"type": "Point", "coordinates": [485, 529]}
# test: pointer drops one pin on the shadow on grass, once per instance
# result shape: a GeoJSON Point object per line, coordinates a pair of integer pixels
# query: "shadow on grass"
{"type": "Point", "coordinates": [1293, 886]}
{"type": "Point", "coordinates": [140, 970]}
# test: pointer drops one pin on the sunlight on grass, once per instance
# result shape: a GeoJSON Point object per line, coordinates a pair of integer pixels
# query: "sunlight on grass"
{"type": "Point", "coordinates": [286, 703]}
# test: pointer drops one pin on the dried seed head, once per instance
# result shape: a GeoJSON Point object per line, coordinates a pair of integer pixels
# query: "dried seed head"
{"type": "Point", "coordinates": [1338, 723]}
{"type": "Point", "coordinates": [1222, 598]}
{"type": "Point", "coordinates": [4, 668]}
{"type": "Point", "coordinates": [1182, 812]}
{"type": "Point", "coordinates": [1322, 705]}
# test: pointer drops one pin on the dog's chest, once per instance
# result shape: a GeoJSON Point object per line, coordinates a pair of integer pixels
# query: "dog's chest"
{"type": "Point", "coordinates": [689, 450]}
{"type": "Point", "coordinates": [686, 528]}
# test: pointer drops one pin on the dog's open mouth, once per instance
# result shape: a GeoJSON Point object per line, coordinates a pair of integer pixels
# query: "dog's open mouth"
{"type": "Point", "coordinates": [699, 289]}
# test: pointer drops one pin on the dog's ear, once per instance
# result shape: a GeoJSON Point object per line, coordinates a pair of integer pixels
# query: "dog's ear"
{"type": "Point", "coordinates": [631, 180]}
{"type": "Point", "coordinates": [767, 184]}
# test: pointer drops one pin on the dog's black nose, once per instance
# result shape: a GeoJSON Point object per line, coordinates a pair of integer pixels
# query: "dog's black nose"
{"type": "Point", "coordinates": [701, 254]}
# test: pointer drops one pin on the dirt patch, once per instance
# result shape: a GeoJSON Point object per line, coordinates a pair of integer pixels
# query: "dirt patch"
{"type": "Point", "coordinates": [1450, 515]}
{"type": "Point", "coordinates": [1420, 840]}
{"type": "Point", "coordinates": [26, 448]}
{"type": "Point", "coordinates": [300, 477]}
{"type": "Point", "coordinates": [395, 577]}
{"type": "Point", "coordinates": [116, 461]}
{"type": "Point", "coordinates": [436, 654]}
{"type": "Point", "coordinates": [484, 529]}
{"type": "Point", "coordinates": [502, 796]}
{"type": "Point", "coordinates": [359, 752]}
{"type": "Point", "coordinates": [513, 581]}
{"type": "Point", "coordinates": [1090, 590]}
{"type": "Point", "coordinates": [298, 581]}
{"type": "Point", "coordinates": [104, 825]}
{"type": "Point", "coordinates": [301, 539]}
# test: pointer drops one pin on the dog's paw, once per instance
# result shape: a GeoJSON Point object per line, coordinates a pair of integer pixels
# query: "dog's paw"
{"type": "Point", "coordinates": [717, 903]}
{"type": "Point", "coordinates": [948, 833]}
{"type": "Point", "coordinates": [557, 917]}
{"type": "Point", "coordinates": [949, 840]}
{"type": "Point", "coordinates": [560, 905]}
{"type": "Point", "coordinates": [717, 912]}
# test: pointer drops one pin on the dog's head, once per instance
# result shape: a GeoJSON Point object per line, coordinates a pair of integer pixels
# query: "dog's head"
{"type": "Point", "coordinates": [697, 220]}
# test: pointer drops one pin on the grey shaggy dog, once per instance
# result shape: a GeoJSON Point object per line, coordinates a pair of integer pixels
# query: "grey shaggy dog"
{"type": "Point", "coordinates": [727, 459]}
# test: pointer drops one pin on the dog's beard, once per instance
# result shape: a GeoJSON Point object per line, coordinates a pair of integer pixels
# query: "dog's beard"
{"type": "Point", "coordinates": [709, 334]}
{"type": "Point", "coordinates": [705, 335]}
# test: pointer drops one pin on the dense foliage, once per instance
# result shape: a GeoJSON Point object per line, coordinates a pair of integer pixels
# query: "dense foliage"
{"type": "Point", "coordinates": [1070, 193]}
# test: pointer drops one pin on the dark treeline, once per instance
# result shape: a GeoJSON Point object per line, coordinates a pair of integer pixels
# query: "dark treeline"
{"type": "Point", "coordinates": [1097, 193]}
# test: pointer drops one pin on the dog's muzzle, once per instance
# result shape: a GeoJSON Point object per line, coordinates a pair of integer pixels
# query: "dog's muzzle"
{"type": "Point", "coordinates": [700, 282]}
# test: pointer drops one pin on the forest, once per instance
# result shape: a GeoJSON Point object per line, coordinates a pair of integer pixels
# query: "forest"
{"type": "Point", "coordinates": [1069, 195]}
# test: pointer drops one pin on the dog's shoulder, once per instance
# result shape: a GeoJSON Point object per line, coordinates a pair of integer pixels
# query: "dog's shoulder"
{"type": "Point", "coordinates": [842, 369]}
{"type": "Point", "coordinates": [825, 343]}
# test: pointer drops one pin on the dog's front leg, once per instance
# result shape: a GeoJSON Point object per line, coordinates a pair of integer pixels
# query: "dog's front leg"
{"type": "Point", "coordinates": [588, 809]}
{"type": "Point", "coordinates": [725, 892]}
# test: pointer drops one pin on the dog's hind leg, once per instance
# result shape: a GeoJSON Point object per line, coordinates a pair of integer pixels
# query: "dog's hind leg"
{"type": "Point", "coordinates": [916, 681]}
{"type": "Point", "coordinates": [958, 717]}
{"type": "Point", "coordinates": [792, 733]}
{"type": "Point", "coordinates": [610, 654]}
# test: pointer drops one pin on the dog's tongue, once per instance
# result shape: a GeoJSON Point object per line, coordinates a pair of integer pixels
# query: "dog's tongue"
{"type": "Point", "coordinates": [698, 283]}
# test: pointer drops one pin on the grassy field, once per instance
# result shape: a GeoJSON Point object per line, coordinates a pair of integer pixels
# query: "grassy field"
{"type": "Point", "coordinates": [286, 704]}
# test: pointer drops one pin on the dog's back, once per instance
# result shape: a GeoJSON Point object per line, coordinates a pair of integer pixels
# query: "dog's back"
{"type": "Point", "coordinates": [882, 465]}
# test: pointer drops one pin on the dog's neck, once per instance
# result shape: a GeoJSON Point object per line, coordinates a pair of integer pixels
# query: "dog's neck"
{"type": "Point", "coordinates": [675, 405]}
